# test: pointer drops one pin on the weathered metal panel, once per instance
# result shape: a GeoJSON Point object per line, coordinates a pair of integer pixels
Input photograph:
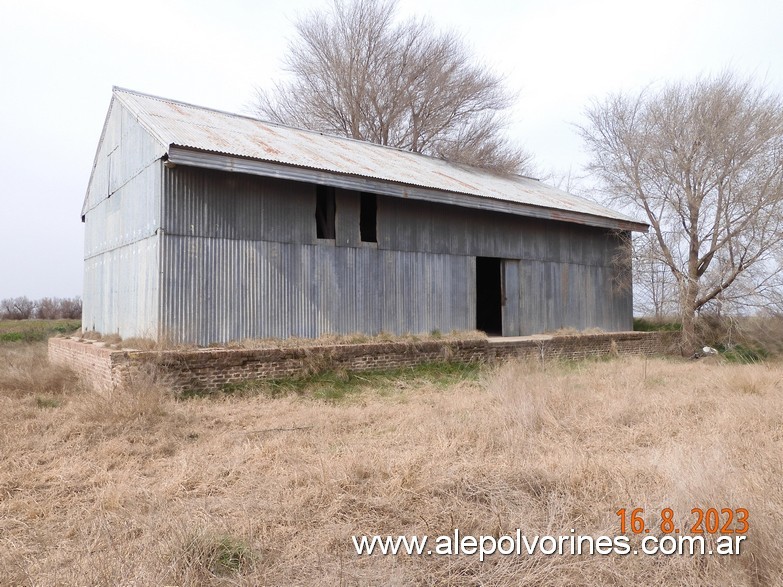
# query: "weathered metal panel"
{"type": "Point", "coordinates": [132, 213]}
{"type": "Point", "coordinates": [240, 260]}
{"type": "Point", "coordinates": [420, 226]}
{"type": "Point", "coordinates": [347, 212]}
{"type": "Point", "coordinates": [511, 298]}
{"type": "Point", "coordinates": [121, 290]}
{"type": "Point", "coordinates": [208, 203]}
{"type": "Point", "coordinates": [124, 151]}
{"type": "Point", "coordinates": [569, 295]}
{"type": "Point", "coordinates": [122, 218]}
{"type": "Point", "coordinates": [209, 160]}
{"type": "Point", "coordinates": [217, 290]}
{"type": "Point", "coordinates": [239, 140]}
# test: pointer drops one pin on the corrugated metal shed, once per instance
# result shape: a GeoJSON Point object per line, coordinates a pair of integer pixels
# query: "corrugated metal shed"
{"type": "Point", "coordinates": [194, 253]}
{"type": "Point", "coordinates": [176, 124]}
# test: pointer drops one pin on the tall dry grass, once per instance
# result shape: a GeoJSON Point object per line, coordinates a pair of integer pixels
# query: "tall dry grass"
{"type": "Point", "coordinates": [137, 488]}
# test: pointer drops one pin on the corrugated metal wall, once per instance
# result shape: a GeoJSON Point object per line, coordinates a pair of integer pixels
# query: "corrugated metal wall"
{"type": "Point", "coordinates": [122, 218]}
{"type": "Point", "coordinates": [236, 206]}
{"type": "Point", "coordinates": [241, 260]}
{"type": "Point", "coordinates": [216, 290]}
{"type": "Point", "coordinates": [412, 225]}
{"type": "Point", "coordinates": [570, 295]}
{"type": "Point", "coordinates": [121, 291]}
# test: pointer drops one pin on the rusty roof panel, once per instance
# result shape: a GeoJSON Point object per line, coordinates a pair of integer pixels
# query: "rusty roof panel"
{"type": "Point", "coordinates": [184, 125]}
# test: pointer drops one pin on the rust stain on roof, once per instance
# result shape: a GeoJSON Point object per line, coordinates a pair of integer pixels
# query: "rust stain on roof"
{"type": "Point", "coordinates": [185, 125]}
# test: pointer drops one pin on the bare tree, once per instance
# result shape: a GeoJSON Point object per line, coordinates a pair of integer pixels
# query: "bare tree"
{"type": "Point", "coordinates": [355, 71]}
{"type": "Point", "coordinates": [70, 308]}
{"type": "Point", "coordinates": [20, 308]}
{"type": "Point", "coordinates": [704, 163]}
{"type": "Point", "coordinates": [47, 308]}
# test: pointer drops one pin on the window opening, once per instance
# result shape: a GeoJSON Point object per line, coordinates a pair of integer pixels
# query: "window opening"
{"type": "Point", "coordinates": [324, 211]}
{"type": "Point", "coordinates": [368, 218]}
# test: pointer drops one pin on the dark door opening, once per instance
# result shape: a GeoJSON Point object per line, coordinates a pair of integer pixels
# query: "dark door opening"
{"type": "Point", "coordinates": [489, 296]}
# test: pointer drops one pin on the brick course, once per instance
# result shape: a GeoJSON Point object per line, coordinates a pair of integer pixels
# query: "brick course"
{"type": "Point", "coordinates": [90, 359]}
{"type": "Point", "coordinates": [211, 369]}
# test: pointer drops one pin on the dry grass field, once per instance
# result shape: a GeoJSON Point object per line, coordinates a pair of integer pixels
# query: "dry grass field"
{"type": "Point", "coordinates": [267, 488]}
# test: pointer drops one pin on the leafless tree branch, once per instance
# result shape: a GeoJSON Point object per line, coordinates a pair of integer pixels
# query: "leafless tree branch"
{"type": "Point", "coordinates": [704, 162]}
{"type": "Point", "coordinates": [356, 71]}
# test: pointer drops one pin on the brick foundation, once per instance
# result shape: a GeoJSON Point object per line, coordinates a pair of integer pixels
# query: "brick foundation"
{"type": "Point", "coordinates": [211, 369]}
{"type": "Point", "coordinates": [93, 361]}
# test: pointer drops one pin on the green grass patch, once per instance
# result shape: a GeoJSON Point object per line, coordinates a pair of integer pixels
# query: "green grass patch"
{"type": "Point", "coordinates": [743, 354]}
{"type": "Point", "coordinates": [647, 325]}
{"type": "Point", "coordinates": [337, 385]}
{"type": "Point", "coordinates": [47, 402]}
{"type": "Point", "coordinates": [35, 330]}
{"type": "Point", "coordinates": [230, 555]}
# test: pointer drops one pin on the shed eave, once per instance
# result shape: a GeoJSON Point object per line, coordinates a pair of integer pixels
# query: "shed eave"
{"type": "Point", "coordinates": [189, 156]}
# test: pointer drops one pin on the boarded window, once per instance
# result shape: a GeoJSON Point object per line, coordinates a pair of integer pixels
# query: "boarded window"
{"type": "Point", "coordinates": [324, 211]}
{"type": "Point", "coordinates": [368, 218]}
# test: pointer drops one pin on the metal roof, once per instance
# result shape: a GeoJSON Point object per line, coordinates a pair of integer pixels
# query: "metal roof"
{"type": "Point", "coordinates": [177, 124]}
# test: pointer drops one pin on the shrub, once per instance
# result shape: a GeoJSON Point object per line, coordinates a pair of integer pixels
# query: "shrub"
{"type": "Point", "coordinates": [653, 325]}
{"type": "Point", "coordinates": [740, 353]}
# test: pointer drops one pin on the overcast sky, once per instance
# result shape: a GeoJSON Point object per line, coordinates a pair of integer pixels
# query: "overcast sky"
{"type": "Point", "coordinates": [59, 60]}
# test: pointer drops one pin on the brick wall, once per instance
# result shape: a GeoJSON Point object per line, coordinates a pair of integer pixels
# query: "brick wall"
{"type": "Point", "coordinates": [210, 369]}
{"type": "Point", "coordinates": [90, 359]}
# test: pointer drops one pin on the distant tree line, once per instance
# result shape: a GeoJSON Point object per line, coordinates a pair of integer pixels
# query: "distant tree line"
{"type": "Point", "coordinates": [23, 308]}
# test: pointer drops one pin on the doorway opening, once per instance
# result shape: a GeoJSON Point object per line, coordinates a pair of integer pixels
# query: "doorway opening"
{"type": "Point", "coordinates": [489, 296]}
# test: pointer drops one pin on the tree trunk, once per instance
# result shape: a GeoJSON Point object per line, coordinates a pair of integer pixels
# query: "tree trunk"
{"type": "Point", "coordinates": [688, 344]}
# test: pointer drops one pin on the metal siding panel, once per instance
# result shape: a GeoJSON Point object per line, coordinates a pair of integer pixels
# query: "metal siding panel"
{"type": "Point", "coordinates": [534, 310]}
{"type": "Point", "coordinates": [347, 218]}
{"type": "Point", "coordinates": [468, 293]}
{"type": "Point", "coordinates": [238, 206]}
{"type": "Point", "coordinates": [121, 243]}
{"type": "Point", "coordinates": [511, 305]}
{"type": "Point", "coordinates": [131, 213]}
{"type": "Point", "coordinates": [306, 290]}
{"type": "Point", "coordinates": [121, 290]}
{"type": "Point", "coordinates": [570, 295]}
{"type": "Point", "coordinates": [409, 225]}
{"type": "Point", "coordinates": [228, 289]}
{"type": "Point", "coordinates": [220, 286]}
